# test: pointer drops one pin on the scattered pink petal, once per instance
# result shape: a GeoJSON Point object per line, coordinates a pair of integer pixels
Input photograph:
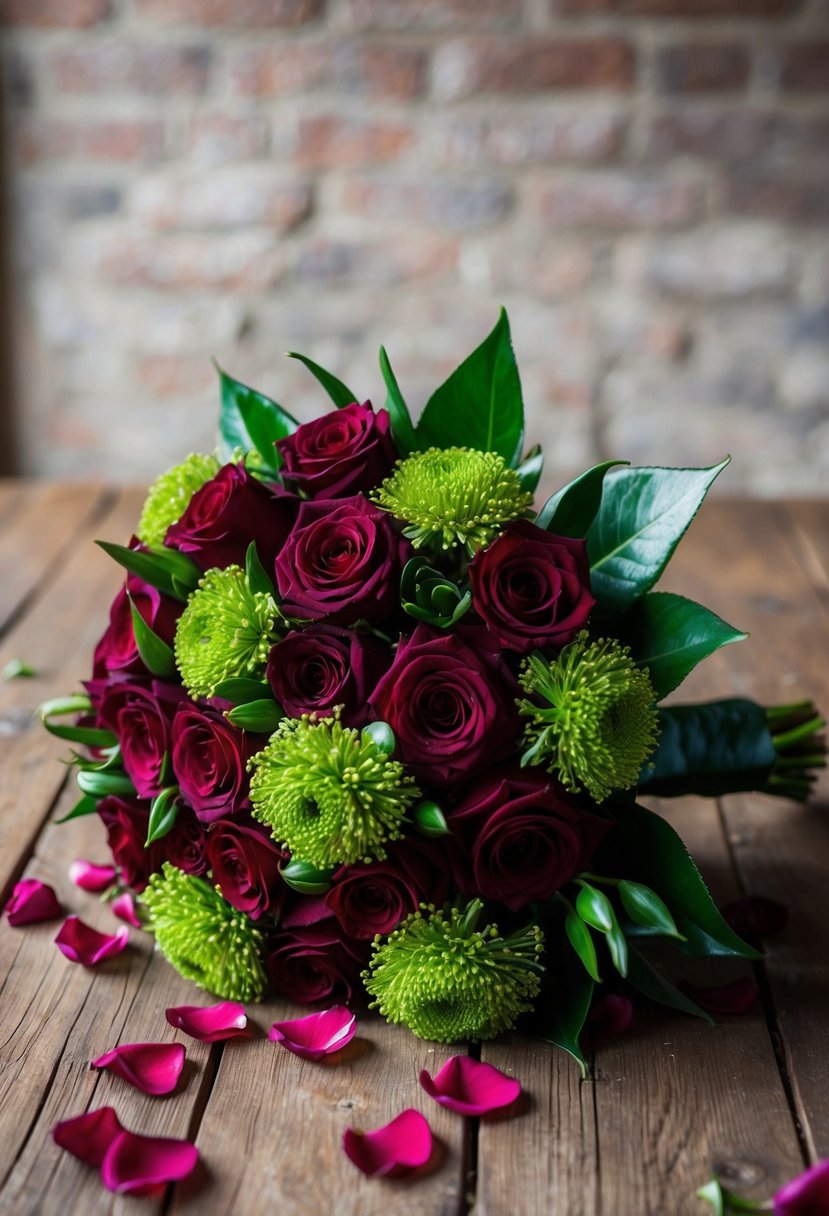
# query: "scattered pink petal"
{"type": "Point", "coordinates": [210, 1023]}
{"type": "Point", "coordinates": [736, 997]}
{"type": "Point", "coordinates": [91, 877]}
{"type": "Point", "coordinates": [140, 1165]}
{"type": "Point", "coordinates": [470, 1087]}
{"type": "Point", "coordinates": [318, 1034]}
{"type": "Point", "coordinates": [402, 1145]}
{"type": "Point", "coordinates": [123, 906]}
{"type": "Point", "coordinates": [153, 1068]}
{"type": "Point", "coordinates": [83, 944]}
{"type": "Point", "coordinates": [32, 901]}
{"type": "Point", "coordinates": [609, 1016]}
{"type": "Point", "coordinates": [806, 1195]}
{"type": "Point", "coordinates": [88, 1136]}
{"type": "Point", "coordinates": [756, 916]}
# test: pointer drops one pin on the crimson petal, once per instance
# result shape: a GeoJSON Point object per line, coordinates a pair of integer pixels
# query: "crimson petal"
{"type": "Point", "coordinates": [210, 1023]}
{"type": "Point", "coordinates": [88, 1136]}
{"type": "Point", "coordinates": [153, 1068]}
{"type": "Point", "coordinates": [470, 1087]}
{"type": "Point", "coordinates": [318, 1034]}
{"type": "Point", "coordinates": [140, 1165]}
{"type": "Point", "coordinates": [806, 1195]}
{"type": "Point", "coordinates": [91, 877]}
{"type": "Point", "coordinates": [83, 944]}
{"type": "Point", "coordinates": [32, 901]}
{"type": "Point", "coordinates": [736, 997]}
{"type": "Point", "coordinates": [402, 1145]}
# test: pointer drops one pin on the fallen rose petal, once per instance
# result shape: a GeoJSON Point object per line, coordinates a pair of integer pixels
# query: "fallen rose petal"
{"type": "Point", "coordinates": [123, 906]}
{"type": "Point", "coordinates": [736, 997]}
{"type": "Point", "coordinates": [609, 1016]}
{"type": "Point", "coordinates": [83, 944]}
{"type": "Point", "coordinates": [140, 1165]}
{"type": "Point", "coordinates": [404, 1144]}
{"type": "Point", "coordinates": [88, 1136]}
{"type": "Point", "coordinates": [318, 1034]}
{"type": "Point", "coordinates": [32, 901]}
{"type": "Point", "coordinates": [756, 916]}
{"type": "Point", "coordinates": [210, 1023]}
{"type": "Point", "coordinates": [153, 1068]}
{"type": "Point", "coordinates": [91, 877]}
{"type": "Point", "coordinates": [470, 1087]}
{"type": "Point", "coordinates": [806, 1195]}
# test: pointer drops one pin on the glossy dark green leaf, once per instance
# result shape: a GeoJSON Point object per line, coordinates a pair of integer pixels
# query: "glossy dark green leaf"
{"type": "Point", "coordinates": [91, 736]}
{"type": "Point", "coordinates": [618, 947]}
{"type": "Point", "coordinates": [261, 717]}
{"type": "Point", "coordinates": [670, 635]}
{"type": "Point", "coordinates": [84, 806]}
{"type": "Point", "coordinates": [714, 748]}
{"type": "Point", "coordinates": [595, 909]}
{"type": "Point", "coordinates": [646, 979]}
{"type": "Point", "coordinates": [99, 784]}
{"type": "Point", "coordinates": [240, 690]}
{"type": "Point", "coordinates": [644, 907]}
{"type": "Point", "coordinates": [530, 469]}
{"type": "Point", "coordinates": [381, 735]}
{"type": "Point", "coordinates": [402, 428]}
{"type": "Point", "coordinates": [563, 1005]}
{"type": "Point", "coordinates": [339, 393]}
{"type": "Point", "coordinates": [642, 516]}
{"type": "Point", "coordinates": [257, 576]}
{"type": "Point", "coordinates": [164, 811]}
{"type": "Point", "coordinates": [301, 876]}
{"type": "Point", "coordinates": [171, 572]}
{"type": "Point", "coordinates": [579, 937]}
{"type": "Point", "coordinates": [572, 509]}
{"type": "Point", "coordinates": [156, 655]}
{"type": "Point", "coordinates": [480, 405]}
{"type": "Point", "coordinates": [251, 421]}
{"type": "Point", "coordinates": [429, 820]}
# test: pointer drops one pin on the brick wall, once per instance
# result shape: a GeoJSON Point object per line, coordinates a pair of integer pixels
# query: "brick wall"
{"type": "Point", "coordinates": [644, 184]}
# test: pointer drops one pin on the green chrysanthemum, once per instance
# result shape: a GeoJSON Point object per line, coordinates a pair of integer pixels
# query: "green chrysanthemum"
{"type": "Point", "coordinates": [170, 493]}
{"type": "Point", "coordinates": [226, 630]}
{"type": "Point", "coordinates": [205, 939]}
{"type": "Point", "coordinates": [328, 792]}
{"type": "Point", "coordinates": [450, 982]}
{"type": "Point", "coordinates": [453, 496]}
{"type": "Point", "coordinates": [596, 723]}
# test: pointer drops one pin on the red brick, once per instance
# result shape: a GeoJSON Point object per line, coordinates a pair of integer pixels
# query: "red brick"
{"type": "Point", "coordinates": [430, 14]}
{"type": "Point", "coordinates": [679, 8]}
{"type": "Point", "coordinates": [797, 199]}
{"type": "Point", "coordinates": [805, 67]}
{"type": "Point", "coordinates": [466, 67]}
{"type": "Point", "coordinates": [243, 262]}
{"type": "Point", "coordinates": [362, 69]}
{"type": "Point", "coordinates": [217, 138]}
{"type": "Point", "coordinates": [326, 140]}
{"type": "Point", "coordinates": [238, 199]}
{"type": "Point", "coordinates": [583, 135]}
{"type": "Point", "coordinates": [72, 14]}
{"type": "Point", "coordinates": [703, 67]}
{"type": "Point", "coordinates": [124, 140]}
{"type": "Point", "coordinates": [384, 262]}
{"type": "Point", "coordinates": [147, 69]}
{"type": "Point", "coordinates": [620, 201]}
{"type": "Point", "coordinates": [718, 135]}
{"type": "Point", "coordinates": [451, 203]}
{"type": "Point", "coordinates": [242, 14]}
{"type": "Point", "coordinates": [175, 375]}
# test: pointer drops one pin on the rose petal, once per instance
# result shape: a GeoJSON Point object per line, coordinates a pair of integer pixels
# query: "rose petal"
{"type": "Point", "coordinates": [83, 944]}
{"type": "Point", "coordinates": [123, 906]}
{"type": "Point", "coordinates": [404, 1144]}
{"type": "Point", "coordinates": [32, 901]}
{"type": "Point", "coordinates": [806, 1195]}
{"type": "Point", "coordinates": [91, 877]}
{"type": "Point", "coordinates": [609, 1016]}
{"type": "Point", "coordinates": [470, 1087]}
{"type": "Point", "coordinates": [141, 1164]}
{"type": "Point", "coordinates": [756, 916]}
{"type": "Point", "coordinates": [153, 1068]}
{"type": "Point", "coordinates": [210, 1023]}
{"type": "Point", "coordinates": [88, 1136]}
{"type": "Point", "coordinates": [736, 997]}
{"type": "Point", "coordinates": [318, 1034]}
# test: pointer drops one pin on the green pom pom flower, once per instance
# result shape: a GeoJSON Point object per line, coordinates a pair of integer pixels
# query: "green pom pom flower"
{"type": "Point", "coordinates": [453, 496]}
{"type": "Point", "coordinates": [226, 630]}
{"type": "Point", "coordinates": [450, 982]}
{"type": "Point", "coordinates": [329, 793]}
{"type": "Point", "coordinates": [205, 939]}
{"type": "Point", "coordinates": [596, 723]}
{"type": "Point", "coordinates": [170, 494]}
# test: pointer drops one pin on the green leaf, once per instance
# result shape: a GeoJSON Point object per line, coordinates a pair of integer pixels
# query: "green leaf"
{"type": "Point", "coordinates": [579, 937]}
{"type": "Point", "coordinates": [646, 979]}
{"type": "Point", "coordinates": [305, 878]}
{"type": "Point", "coordinates": [251, 421]}
{"type": "Point", "coordinates": [98, 784]}
{"type": "Point", "coordinates": [642, 516]}
{"type": "Point", "coordinates": [644, 907]}
{"type": "Point", "coordinates": [240, 691]}
{"type": "Point", "coordinates": [261, 717]}
{"type": "Point", "coordinates": [595, 909]}
{"type": "Point", "coordinates": [163, 814]}
{"type": "Point", "coordinates": [646, 849]}
{"type": "Point", "coordinates": [337, 391]}
{"type": "Point", "coordinates": [480, 405]}
{"type": "Point", "coordinates": [85, 806]}
{"type": "Point", "coordinates": [715, 748]}
{"type": "Point", "coordinates": [381, 735]}
{"type": "Point", "coordinates": [91, 736]}
{"type": "Point", "coordinates": [561, 1011]}
{"type": "Point", "coordinates": [402, 428]}
{"type": "Point", "coordinates": [16, 669]}
{"type": "Point", "coordinates": [618, 947]}
{"type": "Point", "coordinates": [155, 654]}
{"type": "Point", "coordinates": [429, 820]}
{"type": "Point", "coordinates": [572, 509]}
{"type": "Point", "coordinates": [670, 635]}
{"type": "Point", "coordinates": [57, 707]}
{"type": "Point", "coordinates": [257, 576]}
{"type": "Point", "coordinates": [171, 572]}
{"type": "Point", "coordinates": [530, 469]}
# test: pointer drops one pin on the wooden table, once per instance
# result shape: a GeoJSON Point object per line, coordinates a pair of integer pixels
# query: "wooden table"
{"type": "Point", "coordinates": [669, 1100]}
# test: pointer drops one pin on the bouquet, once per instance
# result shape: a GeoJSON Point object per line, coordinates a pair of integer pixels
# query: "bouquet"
{"type": "Point", "coordinates": [366, 724]}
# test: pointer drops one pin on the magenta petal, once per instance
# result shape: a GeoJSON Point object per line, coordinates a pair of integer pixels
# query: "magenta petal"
{"type": "Point", "coordinates": [141, 1164]}
{"type": "Point", "coordinates": [806, 1195]}
{"type": "Point", "coordinates": [123, 906]}
{"type": "Point", "coordinates": [736, 997]}
{"type": "Point", "coordinates": [91, 877]}
{"type": "Point", "coordinates": [152, 1067]}
{"type": "Point", "coordinates": [318, 1034]}
{"type": "Point", "coordinates": [211, 1023]}
{"type": "Point", "coordinates": [401, 1145]}
{"type": "Point", "coordinates": [470, 1087]}
{"type": "Point", "coordinates": [32, 901]}
{"type": "Point", "coordinates": [83, 944]}
{"type": "Point", "coordinates": [88, 1136]}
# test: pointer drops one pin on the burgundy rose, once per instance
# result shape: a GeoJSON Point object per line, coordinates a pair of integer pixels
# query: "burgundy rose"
{"type": "Point", "coordinates": [117, 651]}
{"type": "Point", "coordinates": [345, 451]}
{"type": "Point", "coordinates": [525, 837]}
{"type": "Point", "coordinates": [341, 562]}
{"type": "Point", "coordinates": [450, 704]}
{"type": "Point", "coordinates": [245, 864]}
{"type": "Point", "coordinates": [209, 760]}
{"type": "Point", "coordinates": [185, 845]}
{"type": "Point", "coordinates": [227, 513]}
{"type": "Point", "coordinates": [141, 716]}
{"type": "Point", "coordinates": [314, 669]}
{"type": "Point", "coordinates": [316, 964]}
{"type": "Point", "coordinates": [126, 824]}
{"type": "Point", "coordinates": [370, 899]}
{"type": "Point", "coordinates": [532, 588]}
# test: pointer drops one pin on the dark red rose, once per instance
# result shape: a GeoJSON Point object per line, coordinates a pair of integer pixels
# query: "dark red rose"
{"type": "Point", "coordinates": [314, 669]}
{"type": "Point", "coordinates": [209, 760]}
{"type": "Point", "coordinates": [341, 453]}
{"type": "Point", "coordinates": [117, 651]}
{"type": "Point", "coordinates": [369, 899]}
{"type": "Point", "coordinates": [245, 864]}
{"type": "Point", "coordinates": [140, 715]}
{"type": "Point", "coordinates": [531, 588]}
{"type": "Point", "coordinates": [451, 706]}
{"type": "Point", "coordinates": [525, 837]}
{"type": "Point", "coordinates": [126, 824]}
{"type": "Point", "coordinates": [316, 964]}
{"type": "Point", "coordinates": [184, 846]}
{"type": "Point", "coordinates": [341, 562]}
{"type": "Point", "coordinates": [227, 513]}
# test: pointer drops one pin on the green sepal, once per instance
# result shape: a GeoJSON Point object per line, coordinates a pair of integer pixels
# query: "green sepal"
{"type": "Point", "coordinates": [154, 652]}
{"type": "Point", "coordinates": [644, 907]}
{"type": "Point", "coordinates": [580, 939]}
{"type": "Point", "coordinates": [402, 427]}
{"type": "Point", "coordinates": [339, 393]}
{"type": "Point", "coordinates": [301, 876]}
{"type": "Point", "coordinates": [169, 571]}
{"type": "Point", "coordinates": [572, 509]}
{"type": "Point", "coordinates": [251, 421]}
{"type": "Point", "coordinates": [99, 784]}
{"type": "Point", "coordinates": [256, 574]}
{"type": "Point", "coordinates": [84, 806]}
{"type": "Point", "coordinates": [163, 814]}
{"type": "Point", "coordinates": [382, 736]}
{"type": "Point", "coordinates": [714, 748]}
{"type": "Point", "coordinates": [645, 978]}
{"type": "Point", "coordinates": [429, 820]}
{"type": "Point", "coordinates": [531, 468]}
{"type": "Point", "coordinates": [261, 717]}
{"type": "Point", "coordinates": [241, 691]}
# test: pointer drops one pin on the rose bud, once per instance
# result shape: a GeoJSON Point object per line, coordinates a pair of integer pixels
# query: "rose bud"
{"type": "Point", "coordinates": [312, 670]}
{"type": "Point", "coordinates": [346, 451]}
